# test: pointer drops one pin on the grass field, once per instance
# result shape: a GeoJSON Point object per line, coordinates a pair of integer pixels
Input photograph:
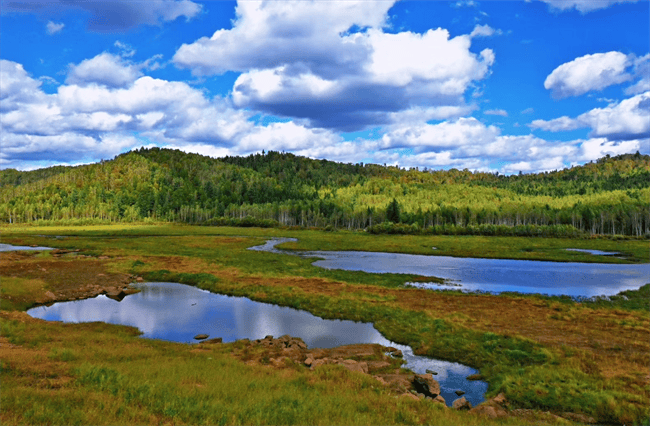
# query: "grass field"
{"type": "Point", "coordinates": [544, 354]}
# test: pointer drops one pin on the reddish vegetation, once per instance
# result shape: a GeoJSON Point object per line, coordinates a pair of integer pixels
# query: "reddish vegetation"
{"type": "Point", "coordinates": [69, 275]}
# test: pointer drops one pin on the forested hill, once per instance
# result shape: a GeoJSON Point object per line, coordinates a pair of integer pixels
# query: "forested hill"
{"type": "Point", "coordinates": [610, 195]}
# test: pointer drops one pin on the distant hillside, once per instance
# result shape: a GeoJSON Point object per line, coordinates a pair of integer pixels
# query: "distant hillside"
{"type": "Point", "coordinates": [609, 196]}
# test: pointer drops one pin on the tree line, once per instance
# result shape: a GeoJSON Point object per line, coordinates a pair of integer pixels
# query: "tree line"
{"type": "Point", "coordinates": [609, 196]}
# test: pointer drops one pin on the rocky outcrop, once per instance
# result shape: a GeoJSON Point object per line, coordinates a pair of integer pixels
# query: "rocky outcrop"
{"type": "Point", "coordinates": [492, 408]}
{"type": "Point", "coordinates": [461, 404]}
{"type": "Point", "coordinates": [426, 385]}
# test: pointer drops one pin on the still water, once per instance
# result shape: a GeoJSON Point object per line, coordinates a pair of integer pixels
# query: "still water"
{"type": "Point", "coordinates": [490, 275]}
{"type": "Point", "coordinates": [9, 247]}
{"type": "Point", "coordinates": [177, 312]}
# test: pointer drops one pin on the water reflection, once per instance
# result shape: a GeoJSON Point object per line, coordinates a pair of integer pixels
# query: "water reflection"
{"type": "Point", "coordinates": [178, 312]}
{"type": "Point", "coordinates": [491, 275]}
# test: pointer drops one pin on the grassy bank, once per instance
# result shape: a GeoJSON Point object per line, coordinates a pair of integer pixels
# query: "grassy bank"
{"type": "Point", "coordinates": [543, 354]}
{"type": "Point", "coordinates": [525, 248]}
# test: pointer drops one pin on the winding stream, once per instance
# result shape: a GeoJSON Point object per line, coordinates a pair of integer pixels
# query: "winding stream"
{"type": "Point", "coordinates": [489, 275]}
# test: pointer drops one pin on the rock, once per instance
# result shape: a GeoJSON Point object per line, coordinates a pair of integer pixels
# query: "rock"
{"type": "Point", "coordinates": [500, 399]}
{"type": "Point", "coordinates": [139, 279]}
{"type": "Point", "coordinates": [410, 396]}
{"type": "Point", "coordinates": [49, 296]}
{"type": "Point", "coordinates": [201, 336]}
{"type": "Point", "coordinates": [435, 373]}
{"type": "Point", "coordinates": [580, 418]}
{"type": "Point", "coordinates": [116, 294]}
{"type": "Point", "coordinates": [268, 337]}
{"type": "Point", "coordinates": [487, 411]}
{"type": "Point", "coordinates": [474, 377]}
{"type": "Point", "coordinates": [309, 361]}
{"type": "Point", "coordinates": [319, 362]}
{"type": "Point", "coordinates": [212, 341]}
{"type": "Point", "coordinates": [425, 384]}
{"type": "Point", "coordinates": [440, 399]}
{"type": "Point", "coordinates": [459, 392]}
{"type": "Point", "coordinates": [103, 257]}
{"type": "Point", "coordinates": [353, 365]}
{"type": "Point", "coordinates": [461, 404]}
{"type": "Point", "coordinates": [397, 353]}
{"type": "Point", "coordinates": [378, 365]}
{"type": "Point", "coordinates": [381, 380]}
{"type": "Point", "coordinates": [397, 382]}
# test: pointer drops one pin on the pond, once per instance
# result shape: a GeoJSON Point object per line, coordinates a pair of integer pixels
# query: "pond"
{"type": "Point", "coordinates": [489, 275]}
{"type": "Point", "coordinates": [177, 312]}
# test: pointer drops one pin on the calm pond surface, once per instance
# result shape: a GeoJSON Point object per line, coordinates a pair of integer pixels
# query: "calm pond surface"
{"type": "Point", "coordinates": [9, 247]}
{"type": "Point", "coordinates": [178, 312]}
{"type": "Point", "coordinates": [491, 275]}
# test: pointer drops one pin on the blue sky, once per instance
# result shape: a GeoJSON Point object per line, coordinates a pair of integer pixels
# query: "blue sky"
{"type": "Point", "coordinates": [503, 86]}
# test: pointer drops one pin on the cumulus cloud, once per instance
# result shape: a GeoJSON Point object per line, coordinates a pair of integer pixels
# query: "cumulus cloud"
{"type": "Point", "coordinates": [641, 71]}
{"type": "Point", "coordinates": [53, 27]}
{"type": "Point", "coordinates": [271, 34]}
{"type": "Point", "coordinates": [430, 137]}
{"type": "Point", "coordinates": [302, 59]}
{"type": "Point", "coordinates": [110, 16]}
{"type": "Point", "coordinates": [88, 121]}
{"type": "Point", "coordinates": [626, 120]}
{"type": "Point", "coordinates": [587, 73]}
{"type": "Point", "coordinates": [583, 6]}
{"type": "Point", "coordinates": [104, 69]}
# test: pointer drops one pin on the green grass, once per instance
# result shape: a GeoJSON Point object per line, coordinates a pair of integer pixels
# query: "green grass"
{"type": "Point", "coordinates": [527, 248]}
{"type": "Point", "coordinates": [531, 374]}
{"type": "Point", "coordinates": [120, 379]}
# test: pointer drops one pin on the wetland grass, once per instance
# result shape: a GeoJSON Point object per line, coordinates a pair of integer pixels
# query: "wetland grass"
{"type": "Point", "coordinates": [544, 354]}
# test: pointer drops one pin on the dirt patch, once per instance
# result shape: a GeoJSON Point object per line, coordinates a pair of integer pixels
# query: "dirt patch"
{"type": "Point", "coordinates": [68, 276]}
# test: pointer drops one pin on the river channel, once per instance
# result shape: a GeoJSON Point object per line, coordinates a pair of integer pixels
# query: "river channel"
{"type": "Point", "coordinates": [177, 312]}
{"type": "Point", "coordinates": [488, 275]}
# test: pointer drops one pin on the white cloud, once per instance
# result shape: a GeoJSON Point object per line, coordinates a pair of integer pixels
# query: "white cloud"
{"type": "Point", "coordinates": [501, 112]}
{"type": "Point", "coordinates": [431, 137]}
{"type": "Point", "coordinates": [126, 50]}
{"type": "Point", "coordinates": [587, 73]}
{"type": "Point", "coordinates": [111, 16]}
{"type": "Point", "coordinates": [583, 6]}
{"type": "Point", "coordinates": [287, 137]}
{"type": "Point", "coordinates": [483, 31]}
{"type": "Point", "coordinates": [641, 70]}
{"type": "Point", "coordinates": [559, 124]}
{"type": "Point", "coordinates": [630, 119]}
{"type": "Point", "coordinates": [626, 120]}
{"type": "Point", "coordinates": [83, 123]}
{"type": "Point", "coordinates": [596, 148]}
{"type": "Point", "coordinates": [464, 3]}
{"type": "Point", "coordinates": [53, 27]}
{"type": "Point", "coordinates": [270, 34]}
{"type": "Point", "coordinates": [104, 69]}
{"type": "Point", "coordinates": [299, 59]}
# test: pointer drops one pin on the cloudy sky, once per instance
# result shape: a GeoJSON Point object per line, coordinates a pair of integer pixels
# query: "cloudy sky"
{"type": "Point", "coordinates": [502, 86]}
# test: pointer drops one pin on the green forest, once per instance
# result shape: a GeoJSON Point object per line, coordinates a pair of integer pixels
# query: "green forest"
{"type": "Point", "coordinates": [610, 196]}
